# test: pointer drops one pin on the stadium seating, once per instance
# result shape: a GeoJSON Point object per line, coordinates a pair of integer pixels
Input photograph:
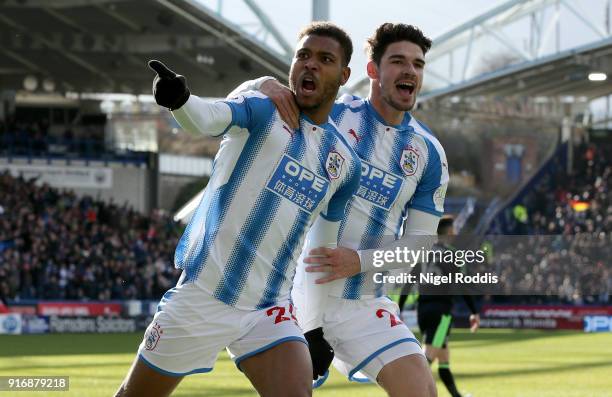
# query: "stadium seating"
{"type": "Point", "coordinates": [55, 245]}
{"type": "Point", "coordinates": [575, 207]}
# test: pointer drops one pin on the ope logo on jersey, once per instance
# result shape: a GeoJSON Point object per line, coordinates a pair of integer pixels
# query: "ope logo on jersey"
{"type": "Point", "coordinates": [409, 162]}
{"type": "Point", "coordinates": [378, 186]}
{"type": "Point", "coordinates": [298, 184]}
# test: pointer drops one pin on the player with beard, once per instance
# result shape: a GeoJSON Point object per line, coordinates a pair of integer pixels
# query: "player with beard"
{"type": "Point", "coordinates": [404, 179]}
{"type": "Point", "coordinates": [270, 184]}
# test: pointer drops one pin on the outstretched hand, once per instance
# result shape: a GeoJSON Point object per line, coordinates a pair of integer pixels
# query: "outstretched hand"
{"type": "Point", "coordinates": [169, 89]}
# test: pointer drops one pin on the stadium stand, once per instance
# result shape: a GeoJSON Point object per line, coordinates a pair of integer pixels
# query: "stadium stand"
{"type": "Point", "coordinates": [54, 245]}
{"type": "Point", "coordinates": [575, 208]}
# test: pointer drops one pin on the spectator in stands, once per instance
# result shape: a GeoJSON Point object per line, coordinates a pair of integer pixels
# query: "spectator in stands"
{"type": "Point", "coordinates": [577, 209]}
{"type": "Point", "coordinates": [58, 246]}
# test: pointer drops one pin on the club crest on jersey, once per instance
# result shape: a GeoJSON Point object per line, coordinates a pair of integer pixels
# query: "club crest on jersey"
{"type": "Point", "coordinates": [409, 162]}
{"type": "Point", "coordinates": [334, 164]}
{"type": "Point", "coordinates": [153, 336]}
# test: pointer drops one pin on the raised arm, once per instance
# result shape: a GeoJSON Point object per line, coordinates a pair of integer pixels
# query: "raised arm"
{"type": "Point", "coordinates": [194, 114]}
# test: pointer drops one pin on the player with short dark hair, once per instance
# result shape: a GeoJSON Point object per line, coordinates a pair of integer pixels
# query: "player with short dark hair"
{"type": "Point", "coordinates": [269, 186]}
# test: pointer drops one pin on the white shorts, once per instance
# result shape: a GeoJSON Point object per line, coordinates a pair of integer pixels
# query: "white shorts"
{"type": "Point", "coordinates": [366, 335]}
{"type": "Point", "coordinates": [191, 327]}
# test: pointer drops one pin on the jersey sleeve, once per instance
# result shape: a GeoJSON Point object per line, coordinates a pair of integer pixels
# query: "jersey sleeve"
{"type": "Point", "coordinates": [203, 116]}
{"type": "Point", "coordinates": [431, 191]}
{"type": "Point", "coordinates": [337, 203]}
{"type": "Point", "coordinates": [323, 233]}
{"type": "Point", "coordinates": [250, 111]}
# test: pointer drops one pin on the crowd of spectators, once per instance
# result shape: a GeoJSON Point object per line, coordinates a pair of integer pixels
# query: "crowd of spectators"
{"type": "Point", "coordinates": [567, 254]}
{"type": "Point", "coordinates": [55, 245]}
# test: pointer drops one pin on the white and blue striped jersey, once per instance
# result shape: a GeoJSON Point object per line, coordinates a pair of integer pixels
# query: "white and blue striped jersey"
{"type": "Point", "coordinates": [267, 186]}
{"type": "Point", "coordinates": [403, 167]}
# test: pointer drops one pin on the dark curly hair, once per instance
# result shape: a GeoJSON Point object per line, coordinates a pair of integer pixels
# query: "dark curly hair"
{"type": "Point", "coordinates": [389, 33]}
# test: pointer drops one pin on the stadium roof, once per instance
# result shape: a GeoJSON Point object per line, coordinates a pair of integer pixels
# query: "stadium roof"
{"type": "Point", "coordinates": [561, 74]}
{"type": "Point", "coordinates": [103, 46]}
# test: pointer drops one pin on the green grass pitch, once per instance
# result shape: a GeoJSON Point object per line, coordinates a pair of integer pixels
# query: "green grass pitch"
{"type": "Point", "coordinates": [490, 363]}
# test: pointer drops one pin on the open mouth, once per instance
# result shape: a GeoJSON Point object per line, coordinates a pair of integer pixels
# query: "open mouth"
{"type": "Point", "coordinates": [308, 85]}
{"type": "Point", "coordinates": [406, 87]}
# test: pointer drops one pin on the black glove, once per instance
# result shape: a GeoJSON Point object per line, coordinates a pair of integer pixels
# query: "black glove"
{"type": "Point", "coordinates": [321, 353]}
{"type": "Point", "coordinates": [169, 89]}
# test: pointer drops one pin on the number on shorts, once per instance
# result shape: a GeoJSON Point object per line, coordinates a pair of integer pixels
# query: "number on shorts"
{"type": "Point", "coordinates": [392, 318]}
{"type": "Point", "coordinates": [292, 312]}
{"type": "Point", "coordinates": [280, 317]}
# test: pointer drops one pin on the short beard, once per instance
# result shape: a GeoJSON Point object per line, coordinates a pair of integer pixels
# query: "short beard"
{"type": "Point", "coordinates": [395, 105]}
{"type": "Point", "coordinates": [330, 91]}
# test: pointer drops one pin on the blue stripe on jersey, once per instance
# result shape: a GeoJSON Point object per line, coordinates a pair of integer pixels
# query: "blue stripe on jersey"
{"type": "Point", "coordinates": [245, 248]}
{"type": "Point", "coordinates": [254, 229]}
{"type": "Point", "coordinates": [349, 207]}
{"type": "Point", "coordinates": [328, 140]}
{"type": "Point", "coordinates": [371, 237]}
{"type": "Point", "coordinates": [367, 132]}
{"type": "Point", "coordinates": [285, 254]}
{"type": "Point", "coordinates": [196, 219]}
{"type": "Point", "coordinates": [375, 228]}
{"type": "Point", "coordinates": [364, 149]}
{"type": "Point", "coordinates": [352, 286]}
{"type": "Point", "coordinates": [222, 199]}
{"type": "Point", "coordinates": [281, 261]}
{"type": "Point", "coordinates": [404, 140]}
{"type": "Point", "coordinates": [340, 110]}
{"type": "Point", "coordinates": [430, 180]}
